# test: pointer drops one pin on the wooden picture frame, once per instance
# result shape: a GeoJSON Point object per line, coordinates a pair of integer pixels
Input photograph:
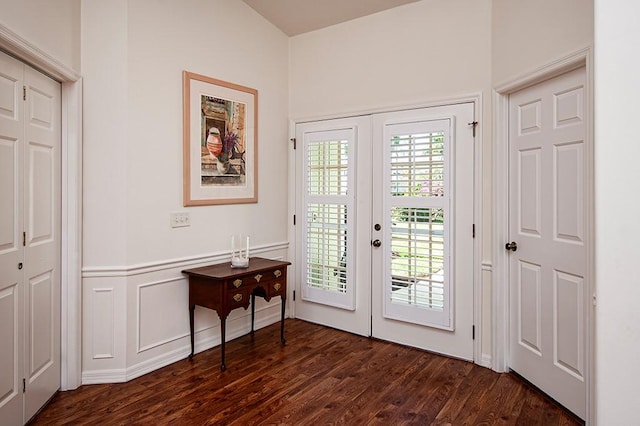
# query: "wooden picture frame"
{"type": "Point", "coordinates": [220, 142]}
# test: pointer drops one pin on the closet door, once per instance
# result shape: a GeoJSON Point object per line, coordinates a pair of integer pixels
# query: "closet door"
{"type": "Point", "coordinates": [42, 240]}
{"type": "Point", "coordinates": [11, 248]}
{"type": "Point", "coordinates": [30, 163]}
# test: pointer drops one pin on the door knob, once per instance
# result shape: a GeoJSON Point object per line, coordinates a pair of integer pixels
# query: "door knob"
{"type": "Point", "coordinates": [376, 243]}
{"type": "Point", "coordinates": [511, 246]}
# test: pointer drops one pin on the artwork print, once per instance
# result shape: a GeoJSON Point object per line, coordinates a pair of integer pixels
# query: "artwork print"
{"type": "Point", "coordinates": [220, 128]}
{"type": "Point", "coordinates": [223, 141]}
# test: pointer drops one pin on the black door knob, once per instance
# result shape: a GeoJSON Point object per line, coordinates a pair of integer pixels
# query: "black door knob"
{"type": "Point", "coordinates": [511, 246]}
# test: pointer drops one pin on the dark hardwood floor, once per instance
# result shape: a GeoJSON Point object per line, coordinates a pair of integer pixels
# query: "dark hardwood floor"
{"type": "Point", "coordinates": [321, 376]}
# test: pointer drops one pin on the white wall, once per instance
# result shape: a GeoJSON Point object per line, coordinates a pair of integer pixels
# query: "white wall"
{"type": "Point", "coordinates": [134, 52]}
{"type": "Point", "coordinates": [220, 39]}
{"type": "Point", "coordinates": [52, 26]}
{"type": "Point", "coordinates": [104, 68]}
{"type": "Point", "coordinates": [617, 232]}
{"type": "Point", "coordinates": [423, 51]}
{"type": "Point", "coordinates": [530, 34]}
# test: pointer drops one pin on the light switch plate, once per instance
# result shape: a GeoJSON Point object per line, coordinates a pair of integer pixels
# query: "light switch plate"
{"type": "Point", "coordinates": [180, 219]}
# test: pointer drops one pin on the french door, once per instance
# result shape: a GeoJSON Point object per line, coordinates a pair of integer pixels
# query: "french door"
{"type": "Point", "coordinates": [385, 236]}
{"type": "Point", "coordinates": [422, 281]}
{"type": "Point", "coordinates": [333, 223]}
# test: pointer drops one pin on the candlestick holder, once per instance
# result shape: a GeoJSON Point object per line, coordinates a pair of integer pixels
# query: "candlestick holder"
{"type": "Point", "coordinates": [239, 251]}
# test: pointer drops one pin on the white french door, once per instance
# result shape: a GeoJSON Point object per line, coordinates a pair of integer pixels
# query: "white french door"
{"type": "Point", "coordinates": [422, 282]}
{"type": "Point", "coordinates": [384, 233]}
{"type": "Point", "coordinates": [548, 227]}
{"type": "Point", "coordinates": [333, 217]}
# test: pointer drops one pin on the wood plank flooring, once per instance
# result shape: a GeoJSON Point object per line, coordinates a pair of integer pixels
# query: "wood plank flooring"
{"type": "Point", "coordinates": [321, 376]}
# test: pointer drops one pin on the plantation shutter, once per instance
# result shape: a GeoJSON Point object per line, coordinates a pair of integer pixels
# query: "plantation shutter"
{"type": "Point", "coordinates": [328, 207]}
{"type": "Point", "coordinates": [418, 203]}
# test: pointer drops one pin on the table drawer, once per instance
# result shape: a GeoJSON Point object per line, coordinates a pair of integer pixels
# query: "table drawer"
{"type": "Point", "coordinates": [237, 283]}
{"type": "Point", "coordinates": [237, 298]}
{"type": "Point", "coordinates": [277, 287]}
{"type": "Point", "coordinates": [265, 279]}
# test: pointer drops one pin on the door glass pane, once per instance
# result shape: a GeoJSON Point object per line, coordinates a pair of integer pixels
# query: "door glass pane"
{"type": "Point", "coordinates": [417, 277]}
{"type": "Point", "coordinates": [417, 257]}
{"type": "Point", "coordinates": [417, 165]}
{"type": "Point", "coordinates": [326, 224]}
{"type": "Point", "coordinates": [327, 168]}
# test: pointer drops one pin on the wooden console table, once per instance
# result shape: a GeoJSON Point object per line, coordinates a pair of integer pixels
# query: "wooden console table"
{"type": "Point", "coordinates": [223, 289]}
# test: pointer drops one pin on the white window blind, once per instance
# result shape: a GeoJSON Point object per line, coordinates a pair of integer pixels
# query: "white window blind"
{"type": "Point", "coordinates": [418, 279]}
{"type": "Point", "coordinates": [328, 202]}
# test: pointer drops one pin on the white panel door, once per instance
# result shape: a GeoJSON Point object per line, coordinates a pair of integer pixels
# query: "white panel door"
{"type": "Point", "coordinates": [42, 226]}
{"type": "Point", "coordinates": [11, 250]}
{"type": "Point", "coordinates": [332, 223]}
{"type": "Point", "coordinates": [30, 163]}
{"type": "Point", "coordinates": [422, 286]}
{"type": "Point", "coordinates": [548, 224]}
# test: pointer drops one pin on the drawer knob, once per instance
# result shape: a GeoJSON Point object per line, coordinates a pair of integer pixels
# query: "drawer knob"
{"type": "Point", "coordinates": [237, 283]}
{"type": "Point", "coordinates": [277, 286]}
{"type": "Point", "coordinates": [277, 273]}
{"type": "Point", "coordinates": [237, 297]}
{"type": "Point", "coordinates": [257, 277]}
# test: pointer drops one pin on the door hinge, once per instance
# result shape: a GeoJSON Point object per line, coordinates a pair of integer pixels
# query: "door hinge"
{"type": "Point", "coordinates": [474, 124]}
{"type": "Point", "coordinates": [24, 385]}
{"type": "Point", "coordinates": [294, 295]}
{"type": "Point", "coordinates": [294, 142]}
{"type": "Point", "coordinates": [294, 220]}
{"type": "Point", "coordinates": [24, 239]}
{"type": "Point", "coordinates": [24, 93]}
{"type": "Point", "coordinates": [473, 332]}
{"type": "Point", "coordinates": [473, 231]}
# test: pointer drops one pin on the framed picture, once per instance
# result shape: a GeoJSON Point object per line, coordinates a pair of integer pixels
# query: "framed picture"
{"type": "Point", "coordinates": [220, 142]}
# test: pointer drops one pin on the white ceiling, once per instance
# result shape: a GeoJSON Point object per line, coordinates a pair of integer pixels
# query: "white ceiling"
{"type": "Point", "coordinates": [295, 17]}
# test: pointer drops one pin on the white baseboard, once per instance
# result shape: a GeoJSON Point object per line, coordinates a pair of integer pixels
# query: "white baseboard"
{"type": "Point", "coordinates": [117, 375]}
{"type": "Point", "coordinates": [486, 361]}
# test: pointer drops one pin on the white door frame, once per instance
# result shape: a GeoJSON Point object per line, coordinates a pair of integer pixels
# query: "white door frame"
{"type": "Point", "coordinates": [477, 100]}
{"type": "Point", "coordinates": [500, 314]}
{"type": "Point", "coordinates": [71, 242]}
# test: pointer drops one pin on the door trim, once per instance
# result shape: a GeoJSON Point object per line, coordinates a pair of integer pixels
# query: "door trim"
{"type": "Point", "coordinates": [500, 300]}
{"type": "Point", "coordinates": [71, 215]}
{"type": "Point", "coordinates": [477, 100]}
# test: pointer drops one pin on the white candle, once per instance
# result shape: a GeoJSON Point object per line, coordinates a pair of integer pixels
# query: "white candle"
{"type": "Point", "coordinates": [247, 247]}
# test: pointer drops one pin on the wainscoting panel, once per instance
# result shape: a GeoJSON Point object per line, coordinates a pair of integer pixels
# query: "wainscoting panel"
{"type": "Point", "coordinates": [136, 318]}
{"type": "Point", "coordinates": [104, 324]}
{"type": "Point", "coordinates": [103, 327]}
{"type": "Point", "coordinates": [157, 302]}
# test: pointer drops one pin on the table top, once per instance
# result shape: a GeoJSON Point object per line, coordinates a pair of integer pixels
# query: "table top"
{"type": "Point", "coordinates": [224, 271]}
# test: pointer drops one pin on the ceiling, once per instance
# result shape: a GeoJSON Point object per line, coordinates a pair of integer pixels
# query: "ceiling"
{"type": "Point", "coordinates": [295, 17]}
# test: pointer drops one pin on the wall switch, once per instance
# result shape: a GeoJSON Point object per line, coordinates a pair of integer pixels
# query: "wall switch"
{"type": "Point", "coordinates": [180, 219]}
